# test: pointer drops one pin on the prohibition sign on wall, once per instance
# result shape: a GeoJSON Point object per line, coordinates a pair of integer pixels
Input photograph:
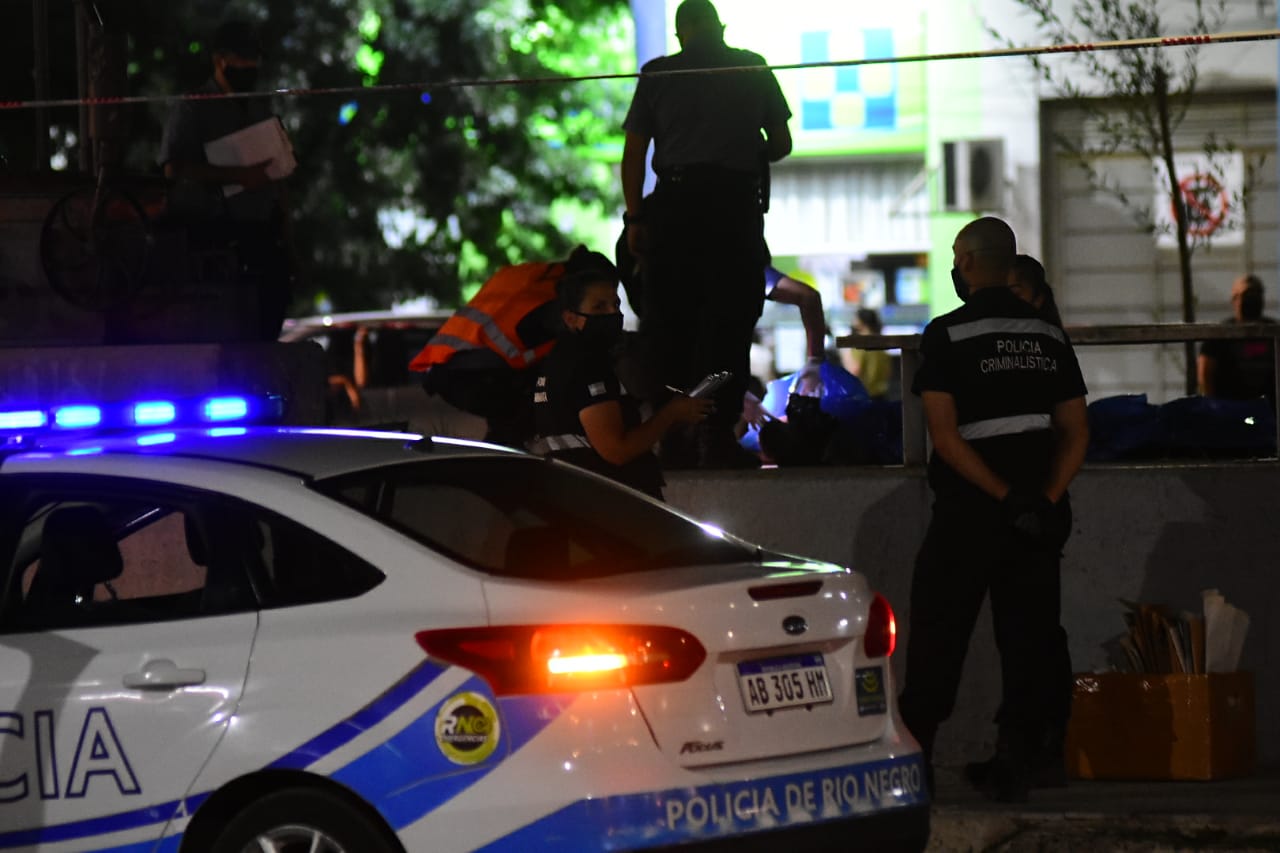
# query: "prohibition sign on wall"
{"type": "Point", "coordinates": [1206, 201]}
{"type": "Point", "coordinates": [1208, 186]}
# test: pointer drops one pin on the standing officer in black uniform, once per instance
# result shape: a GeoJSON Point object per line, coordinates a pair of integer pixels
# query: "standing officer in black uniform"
{"type": "Point", "coordinates": [700, 235]}
{"type": "Point", "coordinates": [1004, 403]}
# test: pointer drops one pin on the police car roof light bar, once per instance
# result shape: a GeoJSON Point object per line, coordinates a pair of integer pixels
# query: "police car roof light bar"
{"type": "Point", "coordinates": [222, 410]}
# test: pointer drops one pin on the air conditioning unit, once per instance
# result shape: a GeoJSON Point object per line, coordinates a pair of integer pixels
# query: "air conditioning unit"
{"type": "Point", "coordinates": [973, 175]}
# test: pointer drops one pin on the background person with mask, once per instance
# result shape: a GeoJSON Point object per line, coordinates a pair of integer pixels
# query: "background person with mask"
{"type": "Point", "coordinates": [582, 413]}
{"type": "Point", "coordinates": [251, 221]}
{"type": "Point", "coordinates": [485, 357]}
{"type": "Point", "coordinates": [1240, 369]}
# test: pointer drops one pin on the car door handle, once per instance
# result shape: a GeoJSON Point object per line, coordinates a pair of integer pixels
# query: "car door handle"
{"type": "Point", "coordinates": [162, 674]}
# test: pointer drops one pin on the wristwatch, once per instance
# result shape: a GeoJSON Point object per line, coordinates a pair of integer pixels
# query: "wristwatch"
{"type": "Point", "coordinates": [632, 219]}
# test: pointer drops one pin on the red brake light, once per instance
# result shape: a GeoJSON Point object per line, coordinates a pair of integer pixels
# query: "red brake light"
{"type": "Point", "coordinates": [882, 630]}
{"type": "Point", "coordinates": [518, 659]}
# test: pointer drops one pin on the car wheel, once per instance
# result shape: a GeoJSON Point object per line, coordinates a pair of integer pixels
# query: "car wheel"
{"type": "Point", "coordinates": [307, 821]}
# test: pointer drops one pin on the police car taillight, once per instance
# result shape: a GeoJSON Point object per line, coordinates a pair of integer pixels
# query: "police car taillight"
{"type": "Point", "coordinates": [522, 659]}
{"type": "Point", "coordinates": [882, 629]}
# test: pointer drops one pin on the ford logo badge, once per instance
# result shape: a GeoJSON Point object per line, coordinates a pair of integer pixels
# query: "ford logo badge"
{"type": "Point", "coordinates": [795, 625]}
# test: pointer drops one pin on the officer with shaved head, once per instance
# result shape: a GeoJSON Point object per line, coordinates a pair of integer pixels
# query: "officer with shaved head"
{"type": "Point", "coordinates": [1004, 403]}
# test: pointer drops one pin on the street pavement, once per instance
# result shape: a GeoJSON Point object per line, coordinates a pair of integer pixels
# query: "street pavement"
{"type": "Point", "coordinates": [1233, 814]}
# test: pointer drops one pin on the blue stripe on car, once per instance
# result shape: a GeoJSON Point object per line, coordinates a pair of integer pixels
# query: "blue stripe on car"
{"type": "Point", "coordinates": [364, 719]}
{"type": "Point", "coordinates": [407, 776]}
{"type": "Point", "coordinates": [308, 753]}
{"type": "Point", "coordinates": [703, 812]}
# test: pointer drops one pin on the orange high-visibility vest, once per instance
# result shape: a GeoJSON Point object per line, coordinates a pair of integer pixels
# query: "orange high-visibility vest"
{"type": "Point", "coordinates": [490, 318]}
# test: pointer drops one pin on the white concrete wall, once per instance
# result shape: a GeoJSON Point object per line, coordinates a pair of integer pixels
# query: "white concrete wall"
{"type": "Point", "coordinates": [1105, 269]}
{"type": "Point", "coordinates": [1010, 91]}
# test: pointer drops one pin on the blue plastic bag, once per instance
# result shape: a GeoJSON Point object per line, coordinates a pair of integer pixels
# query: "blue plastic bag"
{"type": "Point", "coordinates": [867, 432]}
{"type": "Point", "coordinates": [843, 396]}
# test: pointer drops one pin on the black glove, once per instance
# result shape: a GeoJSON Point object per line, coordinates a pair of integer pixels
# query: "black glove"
{"type": "Point", "coordinates": [1030, 515]}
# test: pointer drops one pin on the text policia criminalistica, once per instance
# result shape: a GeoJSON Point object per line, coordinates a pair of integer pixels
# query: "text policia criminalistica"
{"type": "Point", "coordinates": [1018, 354]}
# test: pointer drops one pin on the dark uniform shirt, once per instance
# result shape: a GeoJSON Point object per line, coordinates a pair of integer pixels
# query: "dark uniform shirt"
{"type": "Point", "coordinates": [707, 119]}
{"type": "Point", "coordinates": [190, 125]}
{"type": "Point", "coordinates": [576, 376]}
{"type": "Point", "coordinates": [1243, 369]}
{"type": "Point", "coordinates": [1007, 369]}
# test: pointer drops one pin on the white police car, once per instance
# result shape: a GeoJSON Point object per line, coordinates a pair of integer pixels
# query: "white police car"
{"type": "Point", "coordinates": [233, 638]}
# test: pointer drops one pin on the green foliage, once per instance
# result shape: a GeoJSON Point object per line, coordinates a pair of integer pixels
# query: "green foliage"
{"type": "Point", "coordinates": [469, 173]}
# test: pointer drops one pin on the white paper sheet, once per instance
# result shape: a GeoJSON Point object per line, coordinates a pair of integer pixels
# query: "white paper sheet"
{"type": "Point", "coordinates": [1225, 627]}
{"type": "Point", "coordinates": [264, 140]}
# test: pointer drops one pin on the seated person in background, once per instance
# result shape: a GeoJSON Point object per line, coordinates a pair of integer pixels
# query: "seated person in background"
{"type": "Point", "coordinates": [581, 412]}
{"type": "Point", "coordinates": [873, 367]}
{"type": "Point", "coordinates": [1241, 369]}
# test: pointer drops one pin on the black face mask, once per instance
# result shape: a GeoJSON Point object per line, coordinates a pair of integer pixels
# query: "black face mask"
{"type": "Point", "coordinates": [961, 286]}
{"type": "Point", "coordinates": [602, 330]}
{"type": "Point", "coordinates": [242, 79]}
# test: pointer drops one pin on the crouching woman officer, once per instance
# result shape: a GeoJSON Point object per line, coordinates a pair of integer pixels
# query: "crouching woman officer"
{"type": "Point", "coordinates": [582, 413]}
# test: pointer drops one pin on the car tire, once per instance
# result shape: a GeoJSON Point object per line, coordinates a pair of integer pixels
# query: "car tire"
{"type": "Point", "coordinates": [304, 820]}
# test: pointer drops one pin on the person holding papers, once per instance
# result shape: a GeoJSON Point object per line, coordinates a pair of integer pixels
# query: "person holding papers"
{"type": "Point", "coordinates": [227, 157]}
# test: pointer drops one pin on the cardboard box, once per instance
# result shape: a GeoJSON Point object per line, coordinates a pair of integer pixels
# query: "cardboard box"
{"type": "Point", "coordinates": [1147, 726]}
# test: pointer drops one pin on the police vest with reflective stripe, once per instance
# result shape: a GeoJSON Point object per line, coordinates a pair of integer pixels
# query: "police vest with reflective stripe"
{"type": "Point", "coordinates": [490, 319]}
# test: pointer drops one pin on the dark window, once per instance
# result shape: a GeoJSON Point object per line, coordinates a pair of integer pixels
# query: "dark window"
{"type": "Point", "coordinates": [124, 552]}
{"type": "Point", "coordinates": [299, 566]}
{"type": "Point", "coordinates": [114, 557]}
{"type": "Point", "coordinates": [529, 518]}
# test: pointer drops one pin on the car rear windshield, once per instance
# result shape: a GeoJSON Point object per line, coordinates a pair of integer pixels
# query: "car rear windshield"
{"type": "Point", "coordinates": [529, 518]}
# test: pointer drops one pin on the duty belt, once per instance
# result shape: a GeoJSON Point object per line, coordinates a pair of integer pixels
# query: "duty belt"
{"type": "Point", "coordinates": [706, 173]}
{"type": "Point", "coordinates": [544, 445]}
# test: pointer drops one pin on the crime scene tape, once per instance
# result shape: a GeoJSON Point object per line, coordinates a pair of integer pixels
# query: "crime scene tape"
{"type": "Point", "coordinates": [441, 85]}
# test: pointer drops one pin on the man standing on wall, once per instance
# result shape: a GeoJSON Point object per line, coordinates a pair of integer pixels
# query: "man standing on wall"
{"type": "Point", "coordinates": [1004, 403]}
{"type": "Point", "coordinates": [700, 235]}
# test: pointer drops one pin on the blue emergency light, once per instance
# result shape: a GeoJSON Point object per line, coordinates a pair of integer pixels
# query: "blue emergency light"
{"type": "Point", "coordinates": [154, 413]}
{"type": "Point", "coordinates": [226, 409]}
{"type": "Point", "coordinates": [27, 419]}
{"type": "Point", "coordinates": [149, 413]}
{"type": "Point", "coordinates": [77, 417]}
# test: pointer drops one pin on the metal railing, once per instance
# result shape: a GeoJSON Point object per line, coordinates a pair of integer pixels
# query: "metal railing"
{"type": "Point", "coordinates": [915, 449]}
